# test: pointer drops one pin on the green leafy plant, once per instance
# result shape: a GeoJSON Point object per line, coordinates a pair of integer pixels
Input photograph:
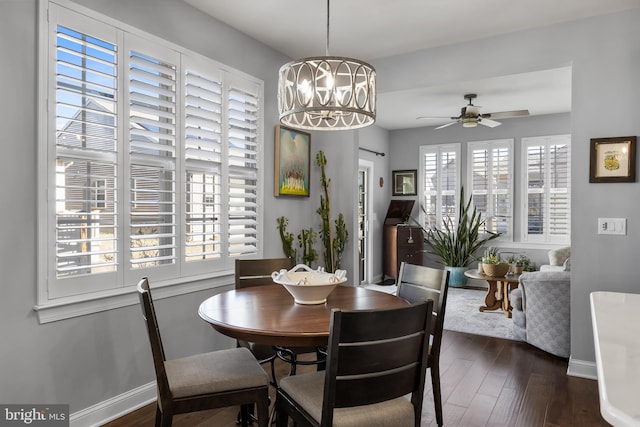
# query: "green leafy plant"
{"type": "Point", "coordinates": [513, 259]}
{"type": "Point", "coordinates": [306, 240]}
{"type": "Point", "coordinates": [340, 241]}
{"type": "Point", "coordinates": [287, 239]}
{"type": "Point", "coordinates": [333, 245]}
{"type": "Point", "coordinates": [333, 242]}
{"type": "Point", "coordinates": [522, 261]}
{"type": "Point", "coordinates": [527, 264]}
{"type": "Point", "coordinates": [458, 243]}
{"type": "Point", "coordinates": [491, 256]}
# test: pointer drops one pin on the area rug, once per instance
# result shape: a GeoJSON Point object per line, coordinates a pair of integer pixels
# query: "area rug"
{"type": "Point", "coordinates": [462, 313]}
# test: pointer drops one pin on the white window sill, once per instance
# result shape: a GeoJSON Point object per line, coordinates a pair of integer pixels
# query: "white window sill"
{"type": "Point", "coordinates": [81, 305]}
{"type": "Point", "coordinates": [504, 245]}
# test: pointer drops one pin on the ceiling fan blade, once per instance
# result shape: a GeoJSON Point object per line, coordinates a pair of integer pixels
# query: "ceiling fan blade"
{"type": "Point", "coordinates": [447, 125]}
{"type": "Point", "coordinates": [435, 118]}
{"type": "Point", "coordinates": [506, 114]}
{"type": "Point", "coordinates": [488, 122]}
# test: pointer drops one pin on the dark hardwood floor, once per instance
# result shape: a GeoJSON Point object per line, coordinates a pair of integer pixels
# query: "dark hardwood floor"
{"type": "Point", "coordinates": [485, 382]}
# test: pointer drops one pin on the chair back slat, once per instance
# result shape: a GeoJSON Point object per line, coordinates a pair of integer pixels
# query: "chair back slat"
{"type": "Point", "coordinates": [376, 355]}
{"type": "Point", "coordinates": [373, 389]}
{"type": "Point", "coordinates": [418, 283]}
{"type": "Point", "coordinates": [256, 272]}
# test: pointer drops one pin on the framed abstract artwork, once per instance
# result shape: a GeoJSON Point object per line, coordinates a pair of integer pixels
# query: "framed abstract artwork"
{"type": "Point", "coordinates": [292, 162]}
{"type": "Point", "coordinates": [613, 159]}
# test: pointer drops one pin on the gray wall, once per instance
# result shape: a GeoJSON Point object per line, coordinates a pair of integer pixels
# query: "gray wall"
{"type": "Point", "coordinates": [406, 143]}
{"type": "Point", "coordinates": [86, 360]}
{"type": "Point", "coordinates": [604, 56]}
{"type": "Point", "coordinates": [405, 155]}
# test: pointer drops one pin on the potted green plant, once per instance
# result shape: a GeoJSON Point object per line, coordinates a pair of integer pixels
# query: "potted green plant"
{"type": "Point", "coordinates": [457, 244]}
{"type": "Point", "coordinates": [520, 263]}
{"type": "Point", "coordinates": [527, 264]}
{"type": "Point", "coordinates": [492, 263]}
{"type": "Point", "coordinates": [515, 264]}
{"type": "Point", "coordinates": [487, 254]}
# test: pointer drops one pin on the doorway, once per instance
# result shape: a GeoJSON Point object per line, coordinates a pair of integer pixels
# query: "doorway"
{"type": "Point", "coordinates": [365, 174]}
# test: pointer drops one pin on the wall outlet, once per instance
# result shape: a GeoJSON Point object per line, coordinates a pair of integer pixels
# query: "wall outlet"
{"type": "Point", "coordinates": [616, 226]}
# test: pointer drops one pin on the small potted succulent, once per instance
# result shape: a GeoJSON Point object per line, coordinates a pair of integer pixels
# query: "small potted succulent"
{"type": "Point", "coordinates": [515, 264]}
{"type": "Point", "coordinates": [520, 263]}
{"type": "Point", "coordinates": [492, 263]}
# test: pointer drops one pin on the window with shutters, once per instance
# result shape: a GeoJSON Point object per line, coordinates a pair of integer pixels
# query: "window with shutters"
{"type": "Point", "coordinates": [439, 177]}
{"type": "Point", "coordinates": [242, 173]}
{"type": "Point", "coordinates": [546, 184]}
{"type": "Point", "coordinates": [490, 177]}
{"type": "Point", "coordinates": [203, 163]}
{"type": "Point", "coordinates": [152, 160]}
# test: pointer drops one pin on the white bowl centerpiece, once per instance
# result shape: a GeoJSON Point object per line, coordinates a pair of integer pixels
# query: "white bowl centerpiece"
{"type": "Point", "coordinates": [309, 286]}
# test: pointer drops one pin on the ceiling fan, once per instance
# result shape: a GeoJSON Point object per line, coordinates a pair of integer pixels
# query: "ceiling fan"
{"type": "Point", "coordinates": [470, 115]}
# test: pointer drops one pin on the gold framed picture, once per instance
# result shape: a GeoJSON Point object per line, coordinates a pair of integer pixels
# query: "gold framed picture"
{"type": "Point", "coordinates": [613, 159]}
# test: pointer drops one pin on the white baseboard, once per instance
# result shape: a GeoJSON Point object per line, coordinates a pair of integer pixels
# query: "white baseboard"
{"type": "Point", "coordinates": [115, 407]}
{"type": "Point", "coordinates": [378, 278]}
{"type": "Point", "coordinates": [582, 369]}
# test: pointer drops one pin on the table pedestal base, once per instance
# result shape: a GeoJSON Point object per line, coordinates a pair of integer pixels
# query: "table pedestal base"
{"type": "Point", "coordinates": [498, 296]}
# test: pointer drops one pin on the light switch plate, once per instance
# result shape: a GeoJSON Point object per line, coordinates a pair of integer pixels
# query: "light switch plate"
{"type": "Point", "coordinates": [617, 226]}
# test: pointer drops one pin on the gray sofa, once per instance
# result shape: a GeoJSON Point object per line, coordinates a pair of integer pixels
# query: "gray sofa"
{"type": "Point", "coordinates": [541, 311]}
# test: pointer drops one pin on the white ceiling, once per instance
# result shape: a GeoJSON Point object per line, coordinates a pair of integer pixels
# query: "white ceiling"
{"type": "Point", "coordinates": [372, 29]}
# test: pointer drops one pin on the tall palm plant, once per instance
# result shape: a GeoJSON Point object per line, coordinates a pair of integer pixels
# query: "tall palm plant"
{"type": "Point", "coordinates": [457, 244]}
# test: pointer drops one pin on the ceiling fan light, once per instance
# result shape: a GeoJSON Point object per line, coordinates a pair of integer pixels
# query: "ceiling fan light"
{"type": "Point", "coordinates": [469, 122]}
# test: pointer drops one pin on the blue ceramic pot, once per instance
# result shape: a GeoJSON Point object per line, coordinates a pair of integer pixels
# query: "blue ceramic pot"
{"type": "Point", "coordinates": [456, 276]}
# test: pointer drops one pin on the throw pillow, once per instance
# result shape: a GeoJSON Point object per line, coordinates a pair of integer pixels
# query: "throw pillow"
{"type": "Point", "coordinates": [559, 256]}
{"type": "Point", "coordinates": [567, 264]}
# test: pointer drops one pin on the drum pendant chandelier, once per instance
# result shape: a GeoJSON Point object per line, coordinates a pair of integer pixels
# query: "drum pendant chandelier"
{"type": "Point", "coordinates": [327, 92]}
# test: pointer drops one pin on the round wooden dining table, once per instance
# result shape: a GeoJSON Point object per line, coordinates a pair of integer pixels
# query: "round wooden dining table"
{"type": "Point", "coordinates": [267, 314]}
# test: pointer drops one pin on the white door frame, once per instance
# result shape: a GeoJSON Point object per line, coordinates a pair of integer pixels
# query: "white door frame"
{"type": "Point", "coordinates": [367, 166]}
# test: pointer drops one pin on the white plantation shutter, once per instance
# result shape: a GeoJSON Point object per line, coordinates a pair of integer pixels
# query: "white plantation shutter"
{"type": "Point", "coordinates": [430, 184]}
{"type": "Point", "coordinates": [480, 178]}
{"type": "Point", "coordinates": [547, 186]}
{"type": "Point", "coordinates": [203, 166]}
{"type": "Point", "coordinates": [491, 183]}
{"type": "Point", "coordinates": [152, 159]}
{"type": "Point", "coordinates": [242, 145]}
{"type": "Point", "coordinates": [152, 150]}
{"type": "Point", "coordinates": [440, 174]}
{"type": "Point", "coordinates": [85, 154]}
{"type": "Point", "coordinates": [502, 211]}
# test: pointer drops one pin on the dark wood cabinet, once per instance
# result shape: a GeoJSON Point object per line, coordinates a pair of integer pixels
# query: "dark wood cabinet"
{"type": "Point", "coordinates": [401, 243]}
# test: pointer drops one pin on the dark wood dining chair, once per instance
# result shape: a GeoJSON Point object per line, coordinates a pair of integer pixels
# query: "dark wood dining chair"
{"type": "Point", "coordinates": [418, 283]}
{"type": "Point", "coordinates": [375, 359]}
{"type": "Point", "coordinates": [257, 272]}
{"type": "Point", "coordinates": [203, 381]}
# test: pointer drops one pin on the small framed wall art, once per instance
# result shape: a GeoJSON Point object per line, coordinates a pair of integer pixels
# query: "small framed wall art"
{"type": "Point", "coordinates": [613, 159]}
{"type": "Point", "coordinates": [404, 182]}
{"type": "Point", "coordinates": [292, 162]}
